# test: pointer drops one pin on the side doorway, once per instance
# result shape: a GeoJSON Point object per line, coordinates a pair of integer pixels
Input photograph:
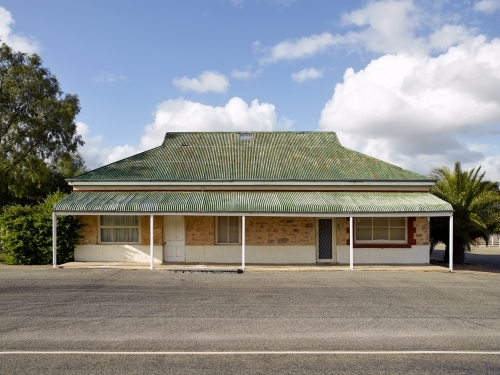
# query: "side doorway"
{"type": "Point", "coordinates": [326, 249]}
{"type": "Point", "coordinates": [174, 249]}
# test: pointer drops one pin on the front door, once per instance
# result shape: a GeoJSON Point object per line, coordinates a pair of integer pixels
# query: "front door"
{"type": "Point", "coordinates": [173, 239]}
{"type": "Point", "coordinates": [326, 241]}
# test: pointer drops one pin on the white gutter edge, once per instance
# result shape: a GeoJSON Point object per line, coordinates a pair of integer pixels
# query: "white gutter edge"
{"type": "Point", "coordinates": [279, 214]}
{"type": "Point", "coordinates": [250, 183]}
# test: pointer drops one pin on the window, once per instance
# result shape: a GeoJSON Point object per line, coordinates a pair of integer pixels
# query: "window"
{"type": "Point", "coordinates": [380, 229]}
{"type": "Point", "coordinates": [119, 229]}
{"type": "Point", "coordinates": [228, 230]}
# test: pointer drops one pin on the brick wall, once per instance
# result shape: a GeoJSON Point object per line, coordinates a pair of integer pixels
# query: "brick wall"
{"type": "Point", "coordinates": [260, 231]}
{"type": "Point", "coordinates": [280, 231]}
{"type": "Point", "coordinates": [90, 231]}
{"type": "Point", "coordinates": [342, 225]}
{"type": "Point", "coordinates": [200, 230]}
{"type": "Point", "coordinates": [421, 235]}
{"type": "Point", "coordinates": [157, 230]}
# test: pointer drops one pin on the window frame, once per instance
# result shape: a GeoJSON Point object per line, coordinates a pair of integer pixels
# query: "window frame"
{"type": "Point", "coordinates": [217, 231]}
{"type": "Point", "coordinates": [376, 242]}
{"type": "Point", "coordinates": [138, 226]}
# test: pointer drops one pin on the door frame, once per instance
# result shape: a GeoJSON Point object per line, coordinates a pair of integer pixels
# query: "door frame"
{"type": "Point", "coordinates": [334, 241]}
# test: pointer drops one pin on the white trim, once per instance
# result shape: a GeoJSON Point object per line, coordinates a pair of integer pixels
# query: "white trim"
{"type": "Point", "coordinates": [450, 252]}
{"type": "Point", "coordinates": [259, 352]}
{"type": "Point", "coordinates": [151, 241]}
{"type": "Point", "coordinates": [250, 183]}
{"type": "Point", "coordinates": [54, 240]}
{"type": "Point", "coordinates": [243, 243]}
{"type": "Point", "coordinates": [351, 244]}
{"type": "Point", "coordinates": [280, 214]}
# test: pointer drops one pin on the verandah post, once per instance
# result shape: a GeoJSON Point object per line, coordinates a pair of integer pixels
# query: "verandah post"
{"type": "Point", "coordinates": [54, 240]}
{"type": "Point", "coordinates": [351, 244]}
{"type": "Point", "coordinates": [151, 242]}
{"type": "Point", "coordinates": [243, 243]}
{"type": "Point", "coordinates": [450, 252]}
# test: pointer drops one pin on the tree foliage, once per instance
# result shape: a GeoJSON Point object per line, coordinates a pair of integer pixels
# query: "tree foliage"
{"type": "Point", "coordinates": [476, 203]}
{"type": "Point", "coordinates": [26, 233]}
{"type": "Point", "coordinates": [38, 140]}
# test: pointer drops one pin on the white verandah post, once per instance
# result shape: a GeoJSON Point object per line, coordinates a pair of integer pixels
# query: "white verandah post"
{"type": "Point", "coordinates": [151, 243]}
{"type": "Point", "coordinates": [54, 240]}
{"type": "Point", "coordinates": [351, 244]}
{"type": "Point", "coordinates": [243, 243]}
{"type": "Point", "coordinates": [450, 252]}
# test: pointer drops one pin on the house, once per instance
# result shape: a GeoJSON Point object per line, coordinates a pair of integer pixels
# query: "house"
{"type": "Point", "coordinates": [255, 197]}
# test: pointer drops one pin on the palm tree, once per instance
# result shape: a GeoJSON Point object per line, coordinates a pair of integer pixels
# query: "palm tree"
{"type": "Point", "coordinates": [477, 209]}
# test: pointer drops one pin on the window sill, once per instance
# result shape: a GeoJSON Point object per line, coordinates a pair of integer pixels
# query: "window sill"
{"type": "Point", "coordinates": [382, 245]}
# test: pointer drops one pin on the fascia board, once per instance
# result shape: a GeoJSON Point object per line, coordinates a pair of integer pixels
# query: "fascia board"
{"type": "Point", "coordinates": [77, 183]}
{"type": "Point", "coordinates": [261, 214]}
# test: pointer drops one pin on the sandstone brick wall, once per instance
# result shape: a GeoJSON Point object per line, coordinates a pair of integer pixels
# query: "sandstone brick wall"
{"type": "Point", "coordinates": [200, 230]}
{"type": "Point", "coordinates": [90, 231]}
{"type": "Point", "coordinates": [260, 231]}
{"type": "Point", "coordinates": [421, 235]}
{"type": "Point", "coordinates": [342, 225]}
{"type": "Point", "coordinates": [280, 231]}
{"type": "Point", "coordinates": [157, 230]}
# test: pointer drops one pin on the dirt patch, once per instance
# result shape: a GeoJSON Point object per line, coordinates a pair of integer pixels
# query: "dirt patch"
{"type": "Point", "coordinates": [466, 267]}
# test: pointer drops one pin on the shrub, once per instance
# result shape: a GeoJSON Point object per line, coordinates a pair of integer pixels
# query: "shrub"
{"type": "Point", "coordinates": [26, 233]}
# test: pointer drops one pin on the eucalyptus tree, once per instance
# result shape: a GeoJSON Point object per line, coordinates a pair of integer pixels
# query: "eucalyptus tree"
{"type": "Point", "coordinates": [37, 127]}
{"type": "Point", "coordinates": [476, 205]}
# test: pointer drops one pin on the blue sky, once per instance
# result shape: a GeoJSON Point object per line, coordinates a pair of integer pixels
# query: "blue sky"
{"type": "Point", "coordinates": [412, 82]}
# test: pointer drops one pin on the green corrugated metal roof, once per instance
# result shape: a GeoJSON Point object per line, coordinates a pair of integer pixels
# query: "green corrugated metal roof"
{"type": "Point", "coordinates": [269, 156]}
{"type": "Point", "coordinates": [252, 202]}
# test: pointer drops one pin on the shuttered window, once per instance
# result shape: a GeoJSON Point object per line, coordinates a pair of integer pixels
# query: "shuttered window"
{"type": "Point", "coordinates": [228, 230]}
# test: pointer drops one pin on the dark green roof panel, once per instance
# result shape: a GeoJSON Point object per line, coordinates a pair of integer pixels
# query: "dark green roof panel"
{"type": "Point", "coordinates": [267, 156]}
{"type": "Point", "coordinates": [252, 202]}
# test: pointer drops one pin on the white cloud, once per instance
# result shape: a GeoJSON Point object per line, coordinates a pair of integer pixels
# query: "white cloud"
{"type": "Point", "coordinates": [241, 74]}
{"type": "Point", "coordinates": [16, 41]}
{"type": "Point", "coordinates": [382, 27]}
{"type": "Point", "coordinates": [95, 154]}
{"type": "Point", "coordinates": [409, 108]}
{"type": "Point", "coordinates": [299, 48]}
{"type": "Point", "coordinates": [388, 26]}
{"type": "Point", "coordinates": [109, 77]}
{"type": "Point", "coordinates": [205, 82]}
{"type": "Point", "coordinates": [487, 6]}
{"type": "Point", "coordinates": [306, 75]}
{"type": "Point", "coordinates": [180, 115]}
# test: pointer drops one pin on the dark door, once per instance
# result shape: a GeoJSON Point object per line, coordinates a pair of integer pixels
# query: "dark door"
{"type": "Point", "coordinates": [325, 239]}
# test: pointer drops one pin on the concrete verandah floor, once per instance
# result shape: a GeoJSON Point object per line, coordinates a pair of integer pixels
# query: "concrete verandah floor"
{"type": "Point", "coordinates": [186, 267]}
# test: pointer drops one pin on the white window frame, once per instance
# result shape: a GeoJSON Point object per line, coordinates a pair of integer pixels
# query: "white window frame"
{"type": "Point", "coordinates": [138, 226]}
{"type": "Point", "coordinates": [217, 232]}
{"type": "Point", "coordinates": [398, 242]}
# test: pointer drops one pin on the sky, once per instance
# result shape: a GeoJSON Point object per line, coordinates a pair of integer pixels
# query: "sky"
{"type": "Point", "coordinates": [412, 82]}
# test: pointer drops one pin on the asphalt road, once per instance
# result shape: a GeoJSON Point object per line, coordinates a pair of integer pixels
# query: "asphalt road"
{"type": "Point", "coordinates": [96, 311]}
{"type": "Point", "coordinates": [485, 256]}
